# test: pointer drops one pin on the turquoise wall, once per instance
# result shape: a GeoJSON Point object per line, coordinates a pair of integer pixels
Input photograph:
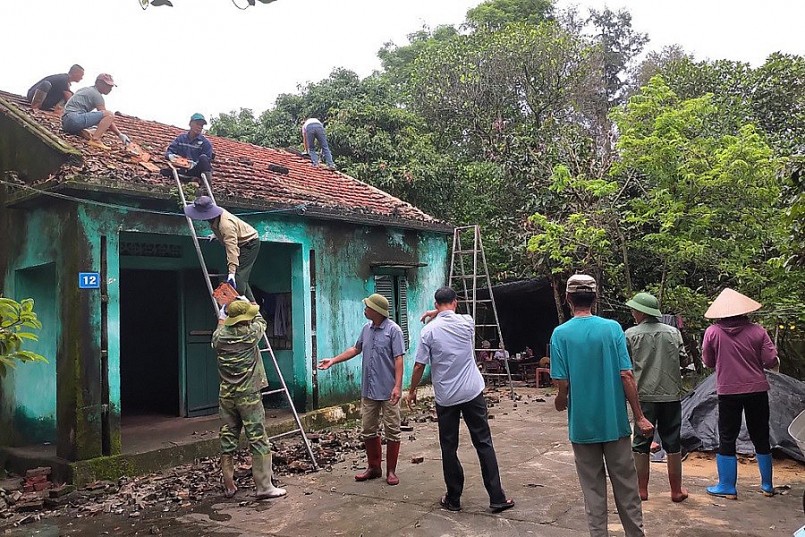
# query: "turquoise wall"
{"type": "Point", "coordinates": [344, 253]}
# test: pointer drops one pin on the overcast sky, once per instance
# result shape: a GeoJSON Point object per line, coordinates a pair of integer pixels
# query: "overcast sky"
{"type": "Point", "coordinates": [207, 56]}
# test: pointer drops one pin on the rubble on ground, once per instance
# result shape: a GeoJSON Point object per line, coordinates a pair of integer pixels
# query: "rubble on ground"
{"type": "Point", "coordinates": [35, 496]}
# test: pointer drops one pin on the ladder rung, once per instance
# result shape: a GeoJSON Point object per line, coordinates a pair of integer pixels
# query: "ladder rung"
{"type": "Point", "coordinates": [289, 433]}
{"type": "Point", "coordinates": [467, 277]}
{"type": "Point", "coordinates": [482, 349]}
{"type": "Point", "coordinates": [479, 300]}
{"type": "Point", "coordinates": [486, 325]}
{"type": "Point", "coordinates": [272, 392]}
{"type": "Point", "coordinates": [465, 251]}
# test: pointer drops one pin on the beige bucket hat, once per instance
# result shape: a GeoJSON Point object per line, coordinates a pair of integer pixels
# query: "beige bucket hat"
{"type": "Point", "coordinates": [731, 303]}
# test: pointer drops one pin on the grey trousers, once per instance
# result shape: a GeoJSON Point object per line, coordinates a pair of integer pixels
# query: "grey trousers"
{"type": "Point", "coordinates": [623, 476]}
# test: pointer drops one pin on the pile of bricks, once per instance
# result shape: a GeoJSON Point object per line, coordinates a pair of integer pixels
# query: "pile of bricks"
{"type": "Point", "coordinates": [37, 479]}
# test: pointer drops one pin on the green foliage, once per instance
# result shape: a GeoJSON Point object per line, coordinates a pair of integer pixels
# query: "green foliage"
{"type": "Point", "coordinates": [16, 318]}
{"type": "Point", "coordinates": [494, 15]}
{"type": "Point", "coordinates": [709, 211]}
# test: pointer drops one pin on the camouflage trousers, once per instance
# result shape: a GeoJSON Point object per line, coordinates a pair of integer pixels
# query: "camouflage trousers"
{"type": "Point", "coordinates": [243, 412]}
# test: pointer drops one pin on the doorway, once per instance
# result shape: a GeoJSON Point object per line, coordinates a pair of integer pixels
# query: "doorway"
{"type": "Point", "coordinates": [149, 343]}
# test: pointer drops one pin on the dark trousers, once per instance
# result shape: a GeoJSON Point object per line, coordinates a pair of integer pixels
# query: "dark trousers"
{"type": "Point", "coordinates": [474, 413]}
{"type": "Point", "coordinates": [248, 255]}
{"type": "Point", "coordinates": [755, 406]}
{"type": "Point", "coordinates": [667, 418]}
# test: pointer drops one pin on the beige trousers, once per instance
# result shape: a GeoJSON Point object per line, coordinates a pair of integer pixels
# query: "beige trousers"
{"type": "Point", "coordinates": [371, 412]}
{"type": "Point", "coordinates": [623, 476]}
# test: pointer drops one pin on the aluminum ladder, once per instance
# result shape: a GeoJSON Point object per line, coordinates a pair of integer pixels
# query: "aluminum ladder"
{"type": "Point", "coordinates": [467, 284]}
{"type": "Point", "coordinates": [267, 345]}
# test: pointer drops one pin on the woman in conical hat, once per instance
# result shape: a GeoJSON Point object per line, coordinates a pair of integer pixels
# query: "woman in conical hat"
{"type": "Point", "coordinates": [739, 350]}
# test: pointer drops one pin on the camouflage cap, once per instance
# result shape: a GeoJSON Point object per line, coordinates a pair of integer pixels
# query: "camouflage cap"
{"type": "Point", "coordinates": [581, 283]}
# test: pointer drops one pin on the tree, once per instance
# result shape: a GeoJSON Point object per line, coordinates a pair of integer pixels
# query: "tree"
{"type": "Point", "coordinates": [708, 215]}
{"type": "Point", "coordinates": [15, 320]}
{"type": "Point", "coordinates": [493, 15]}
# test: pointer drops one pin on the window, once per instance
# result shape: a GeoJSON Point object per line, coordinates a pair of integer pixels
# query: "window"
{"type": "Point", "coordinates": [395, 289]}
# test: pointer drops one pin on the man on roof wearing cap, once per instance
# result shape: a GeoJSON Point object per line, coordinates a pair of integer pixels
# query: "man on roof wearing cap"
{"type": "Point", "coordinates": [54, 89]}
{"type": "Point", "coordinates": [193, 146]}
{"type": "Point", "coordinates": [86, 108]}
{"type": "Point", "coordinates": [240, 405]}
{"type": "Point", "coordinates": [590, 365]}
{"type": "Point", "coordinates": [447, 345]}
{"type": "Point", "coordinates": [382, 344]}
{"type": "Point", "coordinates": [240, 240]}
{"type": "Point", "coordinates": [657, 353]}
{"type": "Point", "coordinates": [313, 130]}
{"type": "Point", "coordinates": [740, 351]}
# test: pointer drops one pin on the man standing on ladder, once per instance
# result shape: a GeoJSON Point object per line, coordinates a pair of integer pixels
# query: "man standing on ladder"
{"type": "Point", "coordinates": [382, 344]}
{"type": "Point", "coordinates": [240, 367]}
{"type": "Point", "coordinates": [240, 240]}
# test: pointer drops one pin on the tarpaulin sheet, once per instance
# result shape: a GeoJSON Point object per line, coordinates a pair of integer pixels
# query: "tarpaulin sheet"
{"type": "Point", "coordinates": [700, 416]}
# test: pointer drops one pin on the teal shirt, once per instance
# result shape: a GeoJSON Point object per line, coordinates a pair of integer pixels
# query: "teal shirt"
{"type": "Point", "coordinates": [590, 353]}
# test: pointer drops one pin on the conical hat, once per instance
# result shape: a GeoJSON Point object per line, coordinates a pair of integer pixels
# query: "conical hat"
{"type": "Point", "coordinates": [729, 304]}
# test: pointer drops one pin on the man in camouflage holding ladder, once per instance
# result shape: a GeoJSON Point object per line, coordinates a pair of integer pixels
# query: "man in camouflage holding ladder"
{"type": "Point", "coordinates": [240, 367]}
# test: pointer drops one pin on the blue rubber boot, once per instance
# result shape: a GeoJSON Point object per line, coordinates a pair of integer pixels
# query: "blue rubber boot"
{"type": "Point", "coordinates": [727, 477]}
{"type": "Point", "coordinates": [764, 464]}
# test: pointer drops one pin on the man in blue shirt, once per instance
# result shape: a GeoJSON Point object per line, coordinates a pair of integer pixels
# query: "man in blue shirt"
{"type": "Point", "coordinates": [591, 367]}
{"type": "Point", "coordinates": [382, 344]}
{"type": "Point", "coordinates": [446, 344]}
{"type": "Point", "coordinates": [193, 146]}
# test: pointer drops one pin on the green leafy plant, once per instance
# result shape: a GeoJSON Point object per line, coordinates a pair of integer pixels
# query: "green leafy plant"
{"type": "Point", "coordinates": [16, 318]}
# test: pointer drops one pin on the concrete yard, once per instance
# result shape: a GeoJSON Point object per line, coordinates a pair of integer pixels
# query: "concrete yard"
{"type": "Point", "coordinates": [537, 470]}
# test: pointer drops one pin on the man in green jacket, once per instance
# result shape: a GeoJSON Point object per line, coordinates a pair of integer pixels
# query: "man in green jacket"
{"type": "Point", "coordinates": [657, 352]}
{"type": "Point", "coordinates": [242, 374]}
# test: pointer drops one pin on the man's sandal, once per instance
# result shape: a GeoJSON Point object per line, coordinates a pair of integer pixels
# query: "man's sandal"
{"type": "Point", "coordinates": [500, 507]}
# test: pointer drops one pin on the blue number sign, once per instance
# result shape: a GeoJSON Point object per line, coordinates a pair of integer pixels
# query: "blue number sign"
{"type": "Point", "coordinates": [89, 280]}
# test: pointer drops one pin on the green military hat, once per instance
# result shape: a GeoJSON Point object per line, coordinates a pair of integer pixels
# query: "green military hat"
{"type": "Point", "coordinates": [377, 302]}
{"type": "Point", "coordinates": [239, 311]}
{"type": "Point", "coordinates": [646, 303]}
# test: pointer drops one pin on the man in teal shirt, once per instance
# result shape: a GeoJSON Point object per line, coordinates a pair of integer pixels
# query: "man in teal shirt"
{"type": "Point", "coordinates": [658, 353]}
{"type": "Point", "coordinates": [591, 367]}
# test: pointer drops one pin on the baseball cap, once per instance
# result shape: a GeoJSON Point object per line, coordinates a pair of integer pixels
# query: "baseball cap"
{"type": "Point", "coordinates": [198, 117]}
{"type": "Point", "coordinates": [581, 283]}
{"type": "Point", "coordinates": [106, 78]}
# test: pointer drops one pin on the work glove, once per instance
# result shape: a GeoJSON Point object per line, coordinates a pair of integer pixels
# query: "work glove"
{"type": "Point", "coordinates": [231, 281]}
{"type": "Point", "coordinates": [243, 298]}
{"type": "Point", "coordinates": [171, 157]}
{"type": "Point", "coordinates": [123, 138]}
{"type": "Point", "coordinates": [222, 312]}
{"type": "Point", "coordinates": [210, 237]}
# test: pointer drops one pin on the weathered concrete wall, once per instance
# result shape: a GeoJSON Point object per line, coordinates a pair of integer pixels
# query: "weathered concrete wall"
{"type": "Point", "coordinates": [73, 237]}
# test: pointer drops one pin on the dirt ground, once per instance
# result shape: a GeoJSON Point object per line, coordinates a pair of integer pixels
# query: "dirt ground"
{"type": "Point", "coordinates": [537, 471]}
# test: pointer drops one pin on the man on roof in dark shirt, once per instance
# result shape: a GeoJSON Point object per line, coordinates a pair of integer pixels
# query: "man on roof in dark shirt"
{"type": "Point", "coordinates": [54, 89]}
{"type": "Point", "coordinates": [193, 146]}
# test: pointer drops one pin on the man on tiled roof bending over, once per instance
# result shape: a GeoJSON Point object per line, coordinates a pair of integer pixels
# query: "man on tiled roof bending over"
{"type": "Point", "coordinates": [54, 90]}
{"type": "Point", "coordinates": [193, 146]}
{"type": "Point", "coordinates": [86, 108]}
{"type": "Point", "coordinates": [313, 131]}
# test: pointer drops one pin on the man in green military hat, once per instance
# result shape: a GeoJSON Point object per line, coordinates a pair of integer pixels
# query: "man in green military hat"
{"type": "Point", "coordinates": [240, 367]}
{"type": "Point", "coordinates": [657, 352]}
{"type": "Point", "coordinates": [382, 344]}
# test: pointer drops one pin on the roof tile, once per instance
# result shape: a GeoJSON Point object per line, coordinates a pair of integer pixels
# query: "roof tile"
{"type": "Point", "coordinates": [240, 171]}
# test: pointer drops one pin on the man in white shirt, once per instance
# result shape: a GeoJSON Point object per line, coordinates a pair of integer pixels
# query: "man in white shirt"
{"type": "Point", "coordinates": [446, 344]}
{"type": "Point", "coordinates": [313, 131]}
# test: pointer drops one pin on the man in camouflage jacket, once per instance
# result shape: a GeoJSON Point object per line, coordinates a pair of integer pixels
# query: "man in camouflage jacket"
{"type": "Point", "coordinates": [242, 374]}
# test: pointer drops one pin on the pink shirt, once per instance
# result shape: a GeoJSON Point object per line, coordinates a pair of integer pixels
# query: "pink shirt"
{"type": "Point", "coordinates": [739, 350]}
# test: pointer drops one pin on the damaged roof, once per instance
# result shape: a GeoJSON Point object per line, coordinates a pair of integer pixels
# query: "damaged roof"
{"type": "Point", "coordinates": [241, 173]}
